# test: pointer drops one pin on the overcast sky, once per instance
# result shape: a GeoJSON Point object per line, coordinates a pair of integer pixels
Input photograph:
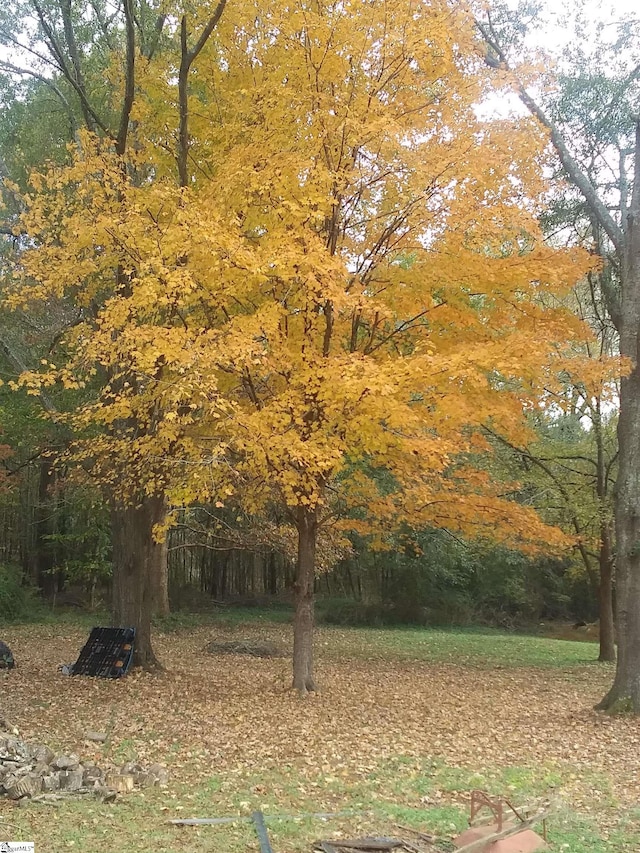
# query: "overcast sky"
{"type": "Point", "coordinates": [556, 34]}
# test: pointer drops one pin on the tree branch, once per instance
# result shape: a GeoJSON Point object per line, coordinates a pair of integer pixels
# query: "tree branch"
{"type": "Point", "coordinates": [129, 84]}
{"type": "Point", "coordinates": [8, 66]}
{"type": "Point", "coordinates": [72, 45]}
{"type": "Point", "coordinates": [209, 28]}
{"type": "Point", "coordinates": [160, 21]}
{"type": "Point", "coordinates": [92, 120]}
{"type": "Point", "coordinates": [186, 60]}
{"type": "Point", "coordinates": [570, 165]}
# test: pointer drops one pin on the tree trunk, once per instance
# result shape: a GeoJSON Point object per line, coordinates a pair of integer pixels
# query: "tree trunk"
{"type": "Point", "coordinates": [303, 680]}
{"type": "Point", "coordinates": [625, 692]}
{"type": "Point", "coordinates": [135, 570]}
{"type": "Point", "coordinates": [45, 512]}
{"type": "Point", "coordinates": [273, 574]}
{"type": "Point", "coordinates": [605, 599]}
{"type": "Point", "coordinates": [605, 579]}
{"type": "Point", "coordinates": [160, 575]}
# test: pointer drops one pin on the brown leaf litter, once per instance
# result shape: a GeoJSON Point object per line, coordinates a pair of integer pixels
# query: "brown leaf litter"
{"type": "Point", "coordinates": [233, 714]}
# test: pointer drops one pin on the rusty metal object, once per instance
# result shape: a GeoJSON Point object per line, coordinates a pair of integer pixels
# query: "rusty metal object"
{"type": "Point", "coordinates": [496, 805]}
{"type": "Point", "coordinates": [508, 828]}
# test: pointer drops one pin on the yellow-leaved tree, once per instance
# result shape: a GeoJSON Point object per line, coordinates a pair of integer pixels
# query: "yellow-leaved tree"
{"type": "Point", "coordinates": [334, 279]}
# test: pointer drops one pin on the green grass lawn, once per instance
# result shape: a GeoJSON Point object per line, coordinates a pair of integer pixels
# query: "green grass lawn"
{"type": "Point", "coordinates": [465, 647]}
{"type": "Point", "coordinates": [408, 723]}
{"type": "Point", "coordinates": [379, 804]}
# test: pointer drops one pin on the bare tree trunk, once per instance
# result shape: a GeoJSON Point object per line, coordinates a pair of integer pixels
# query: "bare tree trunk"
{"type": "Point", "coordinates": [605, 597]}
{"type": "Point", "coordinates": [605, 581]}
{"type": "Point", "coordinates": [160, 573]}
{"type": "Point", "coordinates": [626, 687]}
{"type": "Point", "coordinates": [625, 692]}
{"type": "Point", "coordinates": [135, 560]}
{"type": "Point", "coordinates": [303, 680]}
{"type": "Point", "coordinates": [44, 527]}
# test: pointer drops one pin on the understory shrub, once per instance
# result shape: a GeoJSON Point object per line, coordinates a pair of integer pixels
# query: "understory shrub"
{"type": "Point", "coordinates": [17, 600]}
{"type": "Point", "coordinates": [436, 579]}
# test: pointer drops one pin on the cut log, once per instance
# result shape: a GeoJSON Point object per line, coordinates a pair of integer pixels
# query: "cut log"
{"type": "Point", "coordinates": [71, 780]}
{"type": "Point", "coordinates": [95, 737]}
{"type": "Point", "coordinates": [50, 783]}
{"type": "Point", "coordinates": [66, 762]}
{"type": "Point", "coordinates": [121, 783]}
{"type": "Point", "coordinates": [28, 786]}
{"type": "Point", "coordinates": [42, 754]}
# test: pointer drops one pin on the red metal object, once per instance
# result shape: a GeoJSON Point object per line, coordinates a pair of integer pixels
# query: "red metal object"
{"type": "Point", "coordinates": [525, 841]}
{"type": "Point", "coordinates": [518, 837]}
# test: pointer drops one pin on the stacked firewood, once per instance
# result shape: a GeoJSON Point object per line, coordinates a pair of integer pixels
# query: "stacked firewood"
{"type": "Point", "coordinates": [34, 771]}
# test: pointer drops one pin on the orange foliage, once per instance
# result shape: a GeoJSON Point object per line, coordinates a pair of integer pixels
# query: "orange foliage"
{"type": "Point", "coordinates": [349, 289]}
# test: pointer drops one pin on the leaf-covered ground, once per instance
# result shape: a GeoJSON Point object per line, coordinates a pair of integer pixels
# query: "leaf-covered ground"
{"type": "Point", "coordinates": [406, 724]}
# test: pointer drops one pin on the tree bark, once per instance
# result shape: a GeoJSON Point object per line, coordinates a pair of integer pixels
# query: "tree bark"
{"type": "Point", "coordinates": [605, 601]}
{"type": "Point", "coordinates": [44, 527]}
{"type": "Point", "coordinates": [136, 555]}
{"type": "Point", "coordinates": [606, 560]}
{"type": "Point", "coordinates": [303, 680]}
{"type": "Point", "coordinates": [626, 687]}
{"type": "Point", "coordinates": [625, 692]}
{"type": "Point", "coordinates": [160, 572]}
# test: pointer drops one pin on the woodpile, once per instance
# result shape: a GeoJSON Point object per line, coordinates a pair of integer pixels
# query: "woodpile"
{"type": "Point", "coordinates": [33, 771]}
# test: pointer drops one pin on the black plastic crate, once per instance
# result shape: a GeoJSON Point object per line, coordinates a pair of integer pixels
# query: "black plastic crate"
{"type": "Point", "coordinates": [108, 653]}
